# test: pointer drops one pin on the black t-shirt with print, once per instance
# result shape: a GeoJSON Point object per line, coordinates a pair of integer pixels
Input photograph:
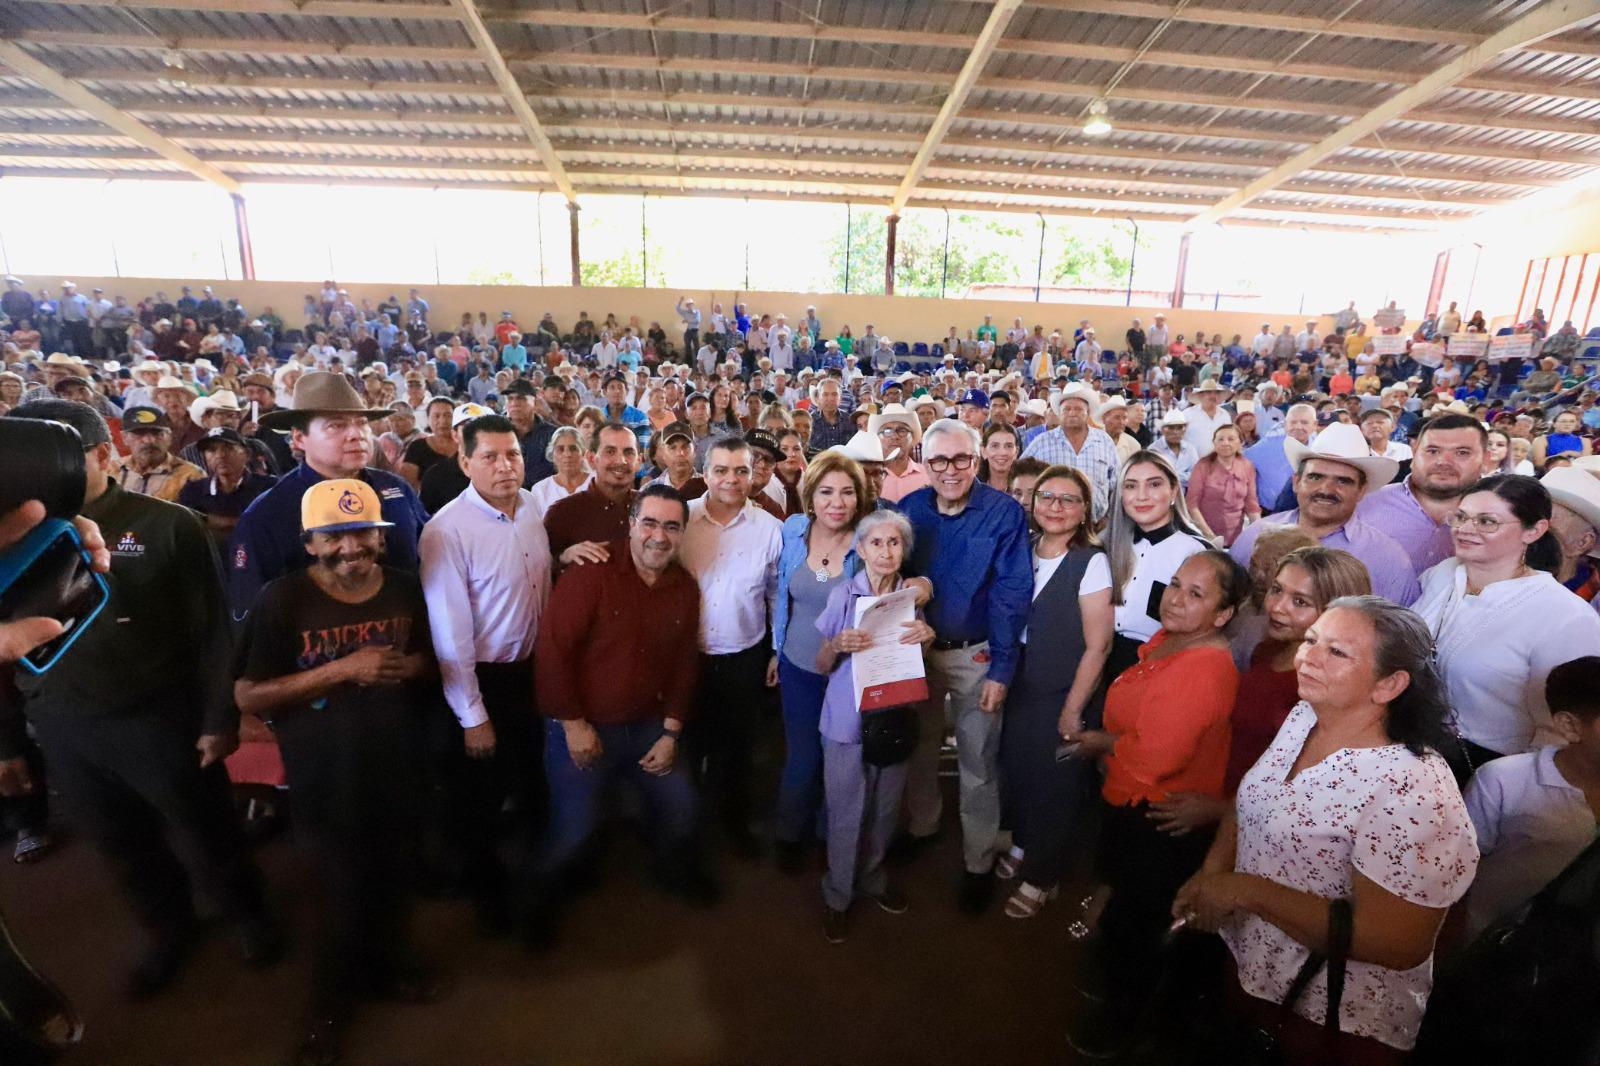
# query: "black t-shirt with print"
{"type": "Point", "coordinates": [296, 626]}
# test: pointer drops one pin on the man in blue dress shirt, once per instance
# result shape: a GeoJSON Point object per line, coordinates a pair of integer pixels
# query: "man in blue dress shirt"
{"type": "Point", "coordinates": [332, 429]}
{"type": "Point", "coordinates": [972, 543]}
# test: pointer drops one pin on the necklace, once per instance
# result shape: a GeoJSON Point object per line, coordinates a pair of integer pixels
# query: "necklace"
{"type": "Point", "coordinates": [822, 572]}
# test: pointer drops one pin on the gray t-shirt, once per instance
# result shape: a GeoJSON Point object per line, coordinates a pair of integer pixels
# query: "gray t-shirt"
{"type": "Point", "coordinates": [807, 598]}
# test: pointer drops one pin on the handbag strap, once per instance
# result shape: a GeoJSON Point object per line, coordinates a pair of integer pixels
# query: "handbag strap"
{"type": "Point", "coordinates": [1340, 931]}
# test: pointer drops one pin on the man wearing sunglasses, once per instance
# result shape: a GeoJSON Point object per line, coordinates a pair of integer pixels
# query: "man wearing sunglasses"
{"type": "Point", "coordinates": [972, 543]}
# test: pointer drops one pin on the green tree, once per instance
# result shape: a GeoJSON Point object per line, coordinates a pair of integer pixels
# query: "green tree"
{"type": "Point", "coordinates": [1075, 257]}
{"type": "Point", "coordinates": [481, 276]}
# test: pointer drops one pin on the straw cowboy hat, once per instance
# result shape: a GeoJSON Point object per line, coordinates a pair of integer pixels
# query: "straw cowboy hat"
{"type": "Point", "coordinates": [319, 392]}
{"type": "Point", "coordinates": [1080, 391]}
{"type": "Point", "coordinates": [1342, 442]}
{"type": "Point", "coordinates": [865, 447]}
{"type": "Point", "coordinates": [1210, 385]}
{"type": "Point", "coordinates": [900, 414]}
{"type": "Point", "coordinates": [1576, 490]}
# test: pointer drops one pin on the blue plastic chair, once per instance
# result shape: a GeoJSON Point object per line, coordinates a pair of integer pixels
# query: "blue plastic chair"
{"type": "Point", "coordinates": [902, 349]}
{"type": "Point", "coordinates": [938, 351]}
{"type": "Point", "coordinates": [919, 350]}
{"type": "Point", "coordinates": [1504, 331]}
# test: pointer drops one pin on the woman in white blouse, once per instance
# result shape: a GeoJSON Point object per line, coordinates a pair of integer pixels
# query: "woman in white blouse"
{"type": "Point", "coordinates": [565, 450]}
{"type": "Point", "coordinates": [1500, 620]}
{"type": "Point", "coordinates": [1351, 801]}
{"type": "Point", "coordinates": [1149, 537]}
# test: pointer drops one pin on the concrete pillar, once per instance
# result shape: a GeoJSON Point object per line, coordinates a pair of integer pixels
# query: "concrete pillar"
{"type": "Point", "coordinates": [888, 256]}
{"type": "Point", "coordinates": [577, 258]}
{"type": "Point", "coordinates": [1183, 270]}
{"type": "Point", "coordinates": [241, 225]}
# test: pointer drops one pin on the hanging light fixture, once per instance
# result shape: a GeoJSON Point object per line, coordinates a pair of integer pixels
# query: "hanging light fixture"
{"type": "Point", "coordinates": [175, 63]}
{"type": "Point", "coordinates": [1098, 124]}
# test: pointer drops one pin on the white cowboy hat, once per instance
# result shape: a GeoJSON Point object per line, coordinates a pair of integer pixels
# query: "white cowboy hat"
{"type": "Point", "coordinates": [865, 447]}
{"type": "Point", "coordinates": [1036, 407]}
{"type": "Point", "coordinates": [1342, 442]}
{"type": "Point", "coordinates": [168, 381]}
{"type": "Point", "coordinates": [223, 400]}
{"type": "Point", "coordinates": [897, 413]}
{"type": "Point", "coordinates": [198, 408]}
{"type": "Point", "coordinates": [150, 366]}
{"type": "Point", "coordinates": [1079, 391]}
{"type": "Point", "coordinates": [923, 401]}
{"type": "Point", "coordinates": [1590, 463]}
{"type": "Point", "coordinates": [1210, 385]}
{"type": "Point", "coordinates": [1576, 490]}
{"type": "Point", "coordinates": [1174, 418]}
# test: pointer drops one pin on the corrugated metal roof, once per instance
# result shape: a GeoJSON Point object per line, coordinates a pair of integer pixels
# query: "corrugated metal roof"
{"type": "Point", "coordinates": [732, 94]}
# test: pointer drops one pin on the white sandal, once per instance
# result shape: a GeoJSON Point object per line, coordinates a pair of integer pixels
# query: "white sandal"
{"type": "Point", "coordinates": [1027, 901]}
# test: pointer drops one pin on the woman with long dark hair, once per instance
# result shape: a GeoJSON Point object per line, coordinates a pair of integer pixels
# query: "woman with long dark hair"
{"type": "Point", "coordinates": [1501, 620]}
{"type": "Point", "coordinates": [1001, 446]}
{"type": "Point", "coordinates": [1150, 534]}
{"type": "Point", "coordinates": [1351, 802]}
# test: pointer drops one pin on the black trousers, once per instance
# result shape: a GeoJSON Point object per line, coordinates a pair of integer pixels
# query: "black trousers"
{"type": "Point", "coordinates": [29, 813]}
{"type": "Point", "coordinates": [514, 772]}
{"type": "Point", "coordinates": [134, 786]}
{"type": "Point", "coordinates": [1144, 868]}
{"type": "Point", "coordinates": [356, 776]}
{"type": "Point", "coordinates": [729, 708]}
{"type": "Point", "coordinates": [1049, 806]}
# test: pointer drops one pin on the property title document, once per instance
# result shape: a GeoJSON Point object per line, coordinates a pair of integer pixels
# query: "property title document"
{"type": "Point", "coordinates": [889, 673]}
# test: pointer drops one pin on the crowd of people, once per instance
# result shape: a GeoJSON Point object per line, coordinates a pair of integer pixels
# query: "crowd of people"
{"type": "Point", "coordinates": [1261, 639]}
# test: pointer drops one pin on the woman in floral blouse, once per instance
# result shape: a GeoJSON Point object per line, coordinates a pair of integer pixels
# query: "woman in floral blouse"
{"type": "Point", "coordinates": [1351, 801]}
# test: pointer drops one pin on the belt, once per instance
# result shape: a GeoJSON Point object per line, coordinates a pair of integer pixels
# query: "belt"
{"type": "Point", "coordinates": [956, 645]}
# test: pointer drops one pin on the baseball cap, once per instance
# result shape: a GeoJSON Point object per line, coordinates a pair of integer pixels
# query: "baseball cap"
{"type": "Point", "coordinates": [520, 387]}
{"type": "Point", "coordinates": [760, 438]}
{"type": "Point", "coordinates": [135, 419]}
{"type": "Point", "coordinates": [220, 435]}
{"type": "Point", "coordinates": [613, 376]}
{"type": "Point", "coordinates": [340, 505]}
{"type": "Point", "coordinates": [673, 430]}
{"type": "Point", "coordinates": [693, 396]}
{"type": "Point", "coordinates": [975, 397]}
{"type": "Point", "coordinates": [467, 412]}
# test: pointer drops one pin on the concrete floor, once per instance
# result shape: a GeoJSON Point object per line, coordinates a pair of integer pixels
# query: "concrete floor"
{"type": "Point", "coordinates": [637, 978]}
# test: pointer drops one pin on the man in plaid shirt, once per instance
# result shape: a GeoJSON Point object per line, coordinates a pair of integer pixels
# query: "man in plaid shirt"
{"type": "Point", "coordinates": [1078, 444]}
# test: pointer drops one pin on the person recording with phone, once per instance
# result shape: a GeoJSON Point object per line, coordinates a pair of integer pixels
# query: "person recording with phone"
{"type": "Point", "coordinates": [136, 718]}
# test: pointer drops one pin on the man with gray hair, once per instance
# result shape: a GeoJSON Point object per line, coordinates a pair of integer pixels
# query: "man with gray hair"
{"type": "Point", "coordinates": [1273, 469]}
{"type": "Point", "coordinates": [972, 543]}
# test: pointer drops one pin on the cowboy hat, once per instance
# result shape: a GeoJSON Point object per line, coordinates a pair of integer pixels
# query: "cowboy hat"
{"type": "Point", "coordinates": [319, 392]}
{"type": "Point", "coordinates": [149, 366]}
{"type": "Point", "coordinates": [1342, 442]}
{"type": "Point", "coordinates": [169, 381]}
{"type": "Point", "coordinates": [900, 414]}
{"type": "Point", "coordinates": [1174, 418]}
{"type": "Point", "coordinates": [223, 400]}
{"type": "Point", "coordinates": [1210, 385]}
{"type": "Point", "coordinates": [1035, 407]}
{"type": "Point", "coordinates": [1576, 490]}
{"type": "Point", "coordinates": [864, 447]}
{"type": "Point", "coordinates": [1079, 391]}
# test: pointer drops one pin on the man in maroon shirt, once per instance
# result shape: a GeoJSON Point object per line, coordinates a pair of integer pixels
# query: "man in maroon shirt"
{"type": "Point", "coordinates": [581, 526]}
{"type": "Point", "coordinates": [621, 714]}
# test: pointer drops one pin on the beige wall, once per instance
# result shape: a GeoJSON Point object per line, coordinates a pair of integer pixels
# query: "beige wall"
{"type": "Point", "coordinates": [898, 317]}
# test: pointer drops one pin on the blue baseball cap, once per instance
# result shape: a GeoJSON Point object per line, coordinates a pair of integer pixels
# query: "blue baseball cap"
{"type": "Point", "coordinates": [976, 397]}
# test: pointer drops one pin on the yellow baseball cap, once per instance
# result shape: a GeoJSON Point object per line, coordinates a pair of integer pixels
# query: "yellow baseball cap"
{"type": "Point", "coordinates": [340, 505]}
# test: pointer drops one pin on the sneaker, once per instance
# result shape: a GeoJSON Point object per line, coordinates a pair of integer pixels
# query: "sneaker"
{"type": "Point", "coordinates": [892, 901]}
{"type": "Point", "coordinates": [834, 925]}
{"type": "Point", "coordinates": [975, 893]}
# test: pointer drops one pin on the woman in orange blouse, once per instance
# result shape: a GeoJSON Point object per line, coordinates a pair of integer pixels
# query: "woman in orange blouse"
{"type": "Point", "coordinates": [1166, 731]}
{"type": "Point", "coordinates": [1222, 486]}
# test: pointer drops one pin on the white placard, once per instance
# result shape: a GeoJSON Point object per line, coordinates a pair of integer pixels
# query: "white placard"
{"type": "Point", "coordinates": [1387, 319]}
{"type": "Point", "coordinates": [1469, 345]}
{"type": "Point", "coordinates": [1389, 344]}
{"type": "Point", "coordinates": [1428, 354]}
{"type": "Point", "coordinates": [1516, 346]}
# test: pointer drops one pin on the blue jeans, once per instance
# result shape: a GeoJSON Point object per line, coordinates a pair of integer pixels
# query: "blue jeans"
{"type": "Point", "coordinates": [575, 794]}
{"type": "Point", "coordinates": [800, 788]}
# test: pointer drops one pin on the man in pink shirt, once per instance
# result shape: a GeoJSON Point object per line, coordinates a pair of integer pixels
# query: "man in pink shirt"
{"type": "Point", "coordinates": [899, 430]}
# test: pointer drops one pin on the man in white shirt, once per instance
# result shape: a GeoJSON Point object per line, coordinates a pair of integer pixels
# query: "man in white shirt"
{"type": "Point", "coordinates": [1308, 339]}
{"type": "Point", "coordinates": [1449, 322]}
{"type": "Point", "coordinates": [486, 577]}
{"type": "Point", "coordinates": [1171, 443]}
{"type": "Point", "coordinates": [1261, 347]}
{"type": "Point", "coordinates": [1205, 415]}
{"type": "Point", "coordinates": [1157, 337]}
{"type": "Point", "coordinates": [731, 546]}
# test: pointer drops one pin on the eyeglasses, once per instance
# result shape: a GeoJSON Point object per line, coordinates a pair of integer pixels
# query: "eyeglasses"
{"type": "Point", "coordinates": [894, 431]}
{"type": "Point", "coordinates": [1486, 524]}
{"type": "Point", "coordinates": [1048, 499]}
{"type": "Point", "coordinates": [940, 463]}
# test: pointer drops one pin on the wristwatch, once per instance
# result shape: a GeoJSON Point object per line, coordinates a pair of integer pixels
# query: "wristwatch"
{"type": "Point", "coordinates": [675, 734]}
